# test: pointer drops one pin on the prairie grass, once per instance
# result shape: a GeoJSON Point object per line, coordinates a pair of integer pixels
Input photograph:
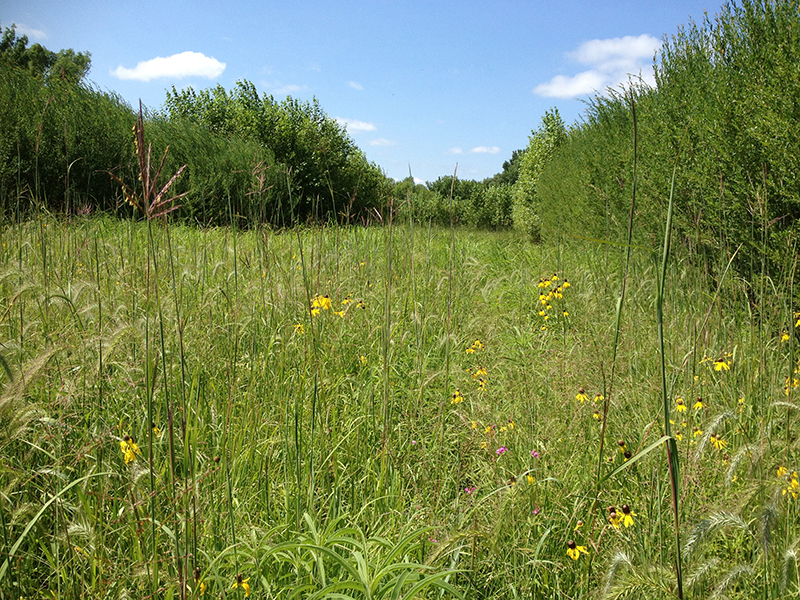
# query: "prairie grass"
{"type": "Point", "coordinates": [385, 412]}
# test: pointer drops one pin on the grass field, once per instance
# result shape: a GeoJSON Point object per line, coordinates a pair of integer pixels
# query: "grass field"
{"type": "Point", "coordinates": [387, 412]}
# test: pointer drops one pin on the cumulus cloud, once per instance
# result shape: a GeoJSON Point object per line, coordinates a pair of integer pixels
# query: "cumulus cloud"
{"type": "Point", "coordinates": [381, 142]}
{"type": "Point", "coordinates": [177, 66]}
{"type": "Point", "coordinates": [418, 181]}
{"type": "Point", "coordinates": [486, 150]}
{"type": "Point", "coordinates": [36, 34]}
{"type": "Point", "coordinates": [455, 150]}
{"type": "Point", "coordinates": [355, 85]}
{"type": "Point", "coordinates": [611, 62]}
{"type": "Point", "coordinates": [354, 125]}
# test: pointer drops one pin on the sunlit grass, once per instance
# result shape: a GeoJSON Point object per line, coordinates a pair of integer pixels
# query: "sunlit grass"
{"type": "Point", "coordinates": [308, 435]}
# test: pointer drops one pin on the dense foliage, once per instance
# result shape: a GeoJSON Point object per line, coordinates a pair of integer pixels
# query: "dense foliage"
{"type": "Point", "coordinates": [246, 158]}
{"type": "Point", "coordinates": [725, 109]}
{"type": "Point", "coordinates": [327, 174]}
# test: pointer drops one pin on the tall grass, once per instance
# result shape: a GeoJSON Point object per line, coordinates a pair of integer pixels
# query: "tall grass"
{"type": "Point", "coordinates": [307, 443]}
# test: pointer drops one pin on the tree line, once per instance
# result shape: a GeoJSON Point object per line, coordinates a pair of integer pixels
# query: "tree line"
{"type": "Point", "coordinates": [248, 157]}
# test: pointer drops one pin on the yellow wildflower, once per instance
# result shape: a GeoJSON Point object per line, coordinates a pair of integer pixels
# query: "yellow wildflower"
{"type": "Point", "coordinates": [794, 487]}
{"type": "Point", "coordinates": [129, 449]}
{"type": "Point", "coordinates": [581, 395]}
{"type": "Point", "coordinates": [722, 365]}
{"type": "Point", "coordinates": [242, 583]}
{"type": "Point", "coordinates": [457, 397]}
{"type": "Point", "coordinates": [627, 515]}
{"type": "Point", "coordinates": [718, 442]}
{"type": "Point", "coordinates": [574, 551]}
{"type": "Point", "coordinates": [782, 471]}
{"type": "Point", "coordinates": [680, 406]}
{"type": "Point", "coordinates": [699, 404]}
{"type": "Point", "coordinates": [613, 517]}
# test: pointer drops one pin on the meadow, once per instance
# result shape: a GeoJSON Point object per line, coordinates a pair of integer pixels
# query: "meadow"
{"type": "Point", "coordinates": [389, 411]}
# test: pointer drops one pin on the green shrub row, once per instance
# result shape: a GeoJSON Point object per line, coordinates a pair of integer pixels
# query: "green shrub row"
{"type": "Point", "coordinates": [725, 108]}
{"type": "Point", "coordinates": [246, 157]}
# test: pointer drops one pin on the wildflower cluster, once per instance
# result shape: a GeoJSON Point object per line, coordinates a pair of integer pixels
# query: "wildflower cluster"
{"type": "Point", "coordinates": [623, 517]}
{"type": "Point", "coordinates": [582, 396]}
{"type": "Point", "coordinates": [321, 303]}
{"type": "Point", "coordinates": [475, 347]}
{"type": "Point", "coordinates": [551, 293]}
{"type": "Point", "coordinates": [479, 377]}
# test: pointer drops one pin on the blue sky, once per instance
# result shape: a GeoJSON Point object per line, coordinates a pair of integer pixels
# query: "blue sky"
{"type": "Point", "coordinates": [421, 85]}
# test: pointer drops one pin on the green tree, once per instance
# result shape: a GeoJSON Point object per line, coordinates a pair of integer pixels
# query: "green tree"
{"type": "Point", "coordinates": [65, 65]}
{"type": "Point", "coordinates": [326, 174]}
{"type": "Point", "coordinates": [510, 172]}
{"type": "Point", "coordinates": [543, 143]}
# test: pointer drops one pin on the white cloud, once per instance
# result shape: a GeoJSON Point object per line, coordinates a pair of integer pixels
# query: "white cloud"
{"type": "Point", "coordinates": [455, 150]}
{"type": "Point", "coordinates": [612, 60]}
{"type": "Point", "coordinates": [22, 29]}
{"type": "Point", "coordinates": [177, 66]}
{"type": "Point", "coordinates": [285, 89]}
{"type": "Point", "coordinates": [560, 86]}
{"type": "Point", "coordinates": [355, 85]}
{"type": "Point", "coordinates": [382, 142]}
{"type": "Point", "coordinates": [418, 181]}
{"type": "Point", "coordinates": [486, 150]}
{"type": "Point", "coordinates": [353, 125]}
